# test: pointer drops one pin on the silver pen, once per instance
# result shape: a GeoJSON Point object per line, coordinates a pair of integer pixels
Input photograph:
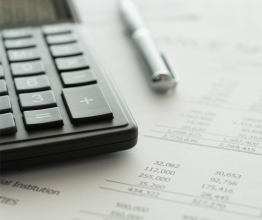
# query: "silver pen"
{"type": "Point", "coordinates": [163, 78]}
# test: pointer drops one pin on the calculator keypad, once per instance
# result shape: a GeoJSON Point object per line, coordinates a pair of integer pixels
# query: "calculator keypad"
{"type": "Point", "coordinates": [3, 88]}
{"type": "Point", "coordinates": [19, 43]}
{"type": "Point", "coordinates": [39, 100]}
{"type": "Point", "coordinates": [23, 55]}
{"type": "Point", "coordinates": [27, 68]}
{"type": "Point", "coordinates": [7, 124]}
{"type": "Point", "coordinates": [1, 72]}
{"type": "Point", "coordinates": [57, 29]}
{"type": "Point", "coordinates": [32, 84]}
{"type": "Point", "coordinates": [83, 98]}
{"type": "Point", "coordinates": [71, 63]}
{"type": "Point", "coordinates": [61, 39]}
{"type": "Point", "coordinates": [65, 50]}
{"type": "Point", "coordinates": [17, 33]}
{"type": "Point", "coordinates": [86, 103]}
{"type": "Point", "coordinates": [78, 78]}
{"type": "Point", "coordinates": [45, 118]}
{"type": "Point", "coordinates": [5, 104]}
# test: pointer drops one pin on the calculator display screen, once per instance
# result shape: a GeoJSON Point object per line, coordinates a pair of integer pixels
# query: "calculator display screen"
{"type": "Point", "coordinates": [31, 11]}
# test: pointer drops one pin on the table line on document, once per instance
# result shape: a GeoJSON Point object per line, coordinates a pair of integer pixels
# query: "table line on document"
{"type": "Point", "coordinates": [202, 145]}
{"type": "Point", "coordinates": [219, 106]}
{"type": "Point", "coordinates": [202, 138]}
{"type": "Point", "coordinates": [226, 102]}
{"type": "Point", "coordinates": [100, 215]}
{"type": "Point", "coordinates": [97, 214]}
{"type": "Point", "coordinates": [183, 194]}
{"type": "Point", "coordinates": [184, 203]}
{"type": "Point", "coordinates": [204, 132]}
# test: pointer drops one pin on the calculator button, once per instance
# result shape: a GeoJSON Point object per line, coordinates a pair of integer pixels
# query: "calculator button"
{"type": "Point", "coordinates": [77, 78]}
{"type": "Point", "coordinates": [86, 103]}
{"type": "Point", "coordinates": [7, 124]}
{"type": "Point", "coordinates": [5, 104]}
{"type": "Point", "coordinates": [61, 39]}
{"type": "Point", "coordinates": [32, 84]}
{"type": "Point", "coordinates": [39, 100]}
{"type": "Point", "coordinates": [45, 118]}
{"type": "Point", "coordinates": [65, 50]}
{"type": "Point", "coordinates": [57, 29]}
{"type": "Point", "coordinates": [71, 63]}
{"type": "Point", "coordinates": [1, 72]}
{"type": "Point", "coordinates": [3, 88]}
{"type": "Point", "coordinates": [20, 43]}
{"type": "Point", "coordinates": [17, 33]}
{"type": "Point", "coordinates": [23, 55]}
{"type": "Point", "coordinates": [27, 68]}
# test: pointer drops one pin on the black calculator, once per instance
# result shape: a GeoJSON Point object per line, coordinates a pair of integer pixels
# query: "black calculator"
{"type": "Point", "coordinates": [57, 100]}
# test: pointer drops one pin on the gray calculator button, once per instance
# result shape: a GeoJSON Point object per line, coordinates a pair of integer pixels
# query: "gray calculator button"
{"type": "Point", "coordinates": [20, 43]}
{"type": "Point", "coordinates": [61, 39]}
{"type": "Point", "coordinates": [17, 33]}
{"type": "Point", "coordinates": [77, 78]}
{"type": "Point", "coordinates": [5, 104]}
{"type": "Point", "coordinates": [7, 124]}
{"type": "Point", "coordinates": [45, 118]}
{"type": "Point", "coordinates": [57, 28]}
{"type": "Point", "coordinates": [32, 84]}
{"type": "Point", "coordinates": [3, 88]}
{"type": "Point", "coordinates": [27, 68]}
{"type": "Point", "coordinates": [23, 55]}
{"type": "Point", "coordinates": [86, 103]}
{"type": "Point", "coordinates": [1, 72]}
{"type": "Point", "coordinates": [71, 63]}
{"type": "Point", "coordinates": [65, 50]}
{"type": "Point", "coordinates": [37, 100]}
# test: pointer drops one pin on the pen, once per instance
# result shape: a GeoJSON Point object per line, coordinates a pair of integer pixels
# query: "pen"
{"type": "Point", "coordinates": [163, 77]}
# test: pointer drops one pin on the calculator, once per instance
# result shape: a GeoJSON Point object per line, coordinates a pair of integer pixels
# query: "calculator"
{"type": "Point", "coordinates": [57, 100]}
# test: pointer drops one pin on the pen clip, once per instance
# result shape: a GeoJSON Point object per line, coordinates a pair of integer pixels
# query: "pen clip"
{"type": "Point", "coordinates": [175, 77]}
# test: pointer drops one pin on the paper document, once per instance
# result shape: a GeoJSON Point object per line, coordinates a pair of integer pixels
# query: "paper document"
{"type": "Point", "coordinates": [199, 151]}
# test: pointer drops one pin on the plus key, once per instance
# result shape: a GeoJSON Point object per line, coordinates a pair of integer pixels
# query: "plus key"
{"type": "Point", "coordinates": [86, 103]}
{"type": "Point", "coordinates": [87, 100]}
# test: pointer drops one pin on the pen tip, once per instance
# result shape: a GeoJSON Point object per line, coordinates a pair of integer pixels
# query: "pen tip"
{"type": "Point", "coordinates": [162, 82]}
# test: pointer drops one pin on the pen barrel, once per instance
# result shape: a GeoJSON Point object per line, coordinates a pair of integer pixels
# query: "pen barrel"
{"type": "Point", "coordinates": [150, 52]}
{"type": "Point", "coordinates": [161, 77]}
{"type": "Point", "coordinates": [131, 15]}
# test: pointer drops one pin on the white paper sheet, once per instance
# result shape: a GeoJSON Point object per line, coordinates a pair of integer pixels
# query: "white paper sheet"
{"type": "Point", "coordinates": [199, 155]}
